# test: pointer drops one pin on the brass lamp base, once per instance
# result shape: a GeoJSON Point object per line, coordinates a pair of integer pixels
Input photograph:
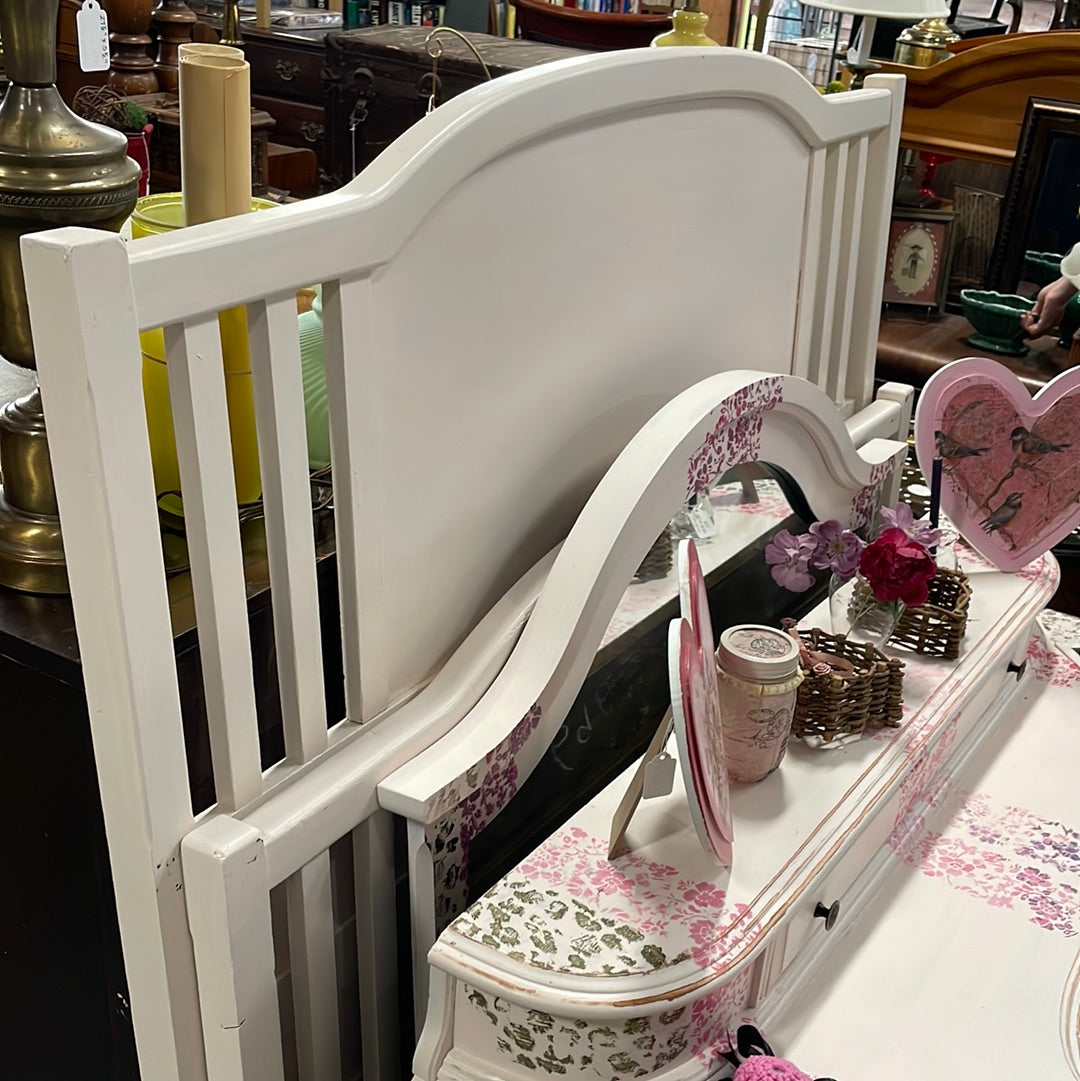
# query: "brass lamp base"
{"type": "Point", "coordinates": [31, 548]}
{"type": "Point", "coordinates": [925, 44]}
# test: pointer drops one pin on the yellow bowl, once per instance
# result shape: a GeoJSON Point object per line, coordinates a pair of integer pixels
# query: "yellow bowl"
{"type": "Point", "coordinates": [156, 214]}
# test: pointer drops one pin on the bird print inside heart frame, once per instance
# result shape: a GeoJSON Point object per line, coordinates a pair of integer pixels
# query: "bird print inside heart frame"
{"type": "Point", "coordinates": [1010, 463]}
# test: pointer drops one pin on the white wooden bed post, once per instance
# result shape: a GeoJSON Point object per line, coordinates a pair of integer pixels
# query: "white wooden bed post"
{"type": "Point", "coordinates": [492, 388]}
{"type": "Point", "coordinates": [125, 642]}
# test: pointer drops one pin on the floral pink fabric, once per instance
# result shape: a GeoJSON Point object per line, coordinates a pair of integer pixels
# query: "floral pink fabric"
{"type": "Point", "coordinates": [736, 436]}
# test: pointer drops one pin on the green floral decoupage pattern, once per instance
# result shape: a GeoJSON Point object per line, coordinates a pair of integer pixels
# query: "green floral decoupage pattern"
{"type": "Point", "coordinates": [638, 1046]}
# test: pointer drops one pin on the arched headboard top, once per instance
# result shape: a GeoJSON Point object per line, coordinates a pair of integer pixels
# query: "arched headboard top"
{"type": "Point", "coordinates": [515, 285]}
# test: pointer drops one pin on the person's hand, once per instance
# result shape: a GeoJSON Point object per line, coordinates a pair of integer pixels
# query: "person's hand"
{"type": "Point", "coordinates": [1049, 307]}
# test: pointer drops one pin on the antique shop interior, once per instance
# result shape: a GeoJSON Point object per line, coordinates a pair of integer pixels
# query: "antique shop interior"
{"type": "Point", "coordinates": [529, 552]}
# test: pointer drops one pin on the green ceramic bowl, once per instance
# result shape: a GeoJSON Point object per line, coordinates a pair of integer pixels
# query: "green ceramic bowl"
{"type": "Point", "coordinates": [1041, 267]}
{"type": "Point", "coordinates": [996, 319]}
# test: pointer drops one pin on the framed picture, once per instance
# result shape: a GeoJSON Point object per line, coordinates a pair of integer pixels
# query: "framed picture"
{"type": "Point", "coordinates": [1039, 219]}
{"type": "Point", "coordinates": [919, 257]}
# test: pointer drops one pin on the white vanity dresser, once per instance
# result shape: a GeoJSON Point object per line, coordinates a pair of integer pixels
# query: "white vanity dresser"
{"type": "Point", "coordinates": [865, 897]}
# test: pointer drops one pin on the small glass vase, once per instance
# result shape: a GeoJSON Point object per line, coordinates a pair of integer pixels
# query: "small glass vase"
{"type": "Point", "coordinates": [858, 614]}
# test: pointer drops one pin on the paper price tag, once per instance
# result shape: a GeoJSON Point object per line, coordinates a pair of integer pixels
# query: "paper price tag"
{"type": "Point", "coordinates": [92, 27]}
{"type": "Point", "coordinates": [659, 776]}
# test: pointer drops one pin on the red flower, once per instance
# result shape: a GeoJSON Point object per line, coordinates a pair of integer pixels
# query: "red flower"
{"type": "Point", "coordinates": [897, 568]}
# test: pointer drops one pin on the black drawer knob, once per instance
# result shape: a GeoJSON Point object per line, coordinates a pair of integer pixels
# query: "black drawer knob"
{"type": "Point", "coordinates": [1018, 669]}
{"type": "Point", "coordinates": [830, 915]}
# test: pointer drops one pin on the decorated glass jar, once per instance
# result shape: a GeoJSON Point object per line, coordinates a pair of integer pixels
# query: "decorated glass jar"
{"type": "Point", "coordinates": [759, 677]}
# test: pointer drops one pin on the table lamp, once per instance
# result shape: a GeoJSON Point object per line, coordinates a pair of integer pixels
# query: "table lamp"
{"type": "Point", "coordinates": [858, 58]}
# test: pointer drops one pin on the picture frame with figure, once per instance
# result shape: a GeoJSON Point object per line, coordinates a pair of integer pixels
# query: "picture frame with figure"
{"type": "Point", "coordinates": [919, 257]}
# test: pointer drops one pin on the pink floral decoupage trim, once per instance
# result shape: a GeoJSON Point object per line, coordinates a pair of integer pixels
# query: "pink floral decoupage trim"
{"type": "Point", "coordinates": [1050, 665]}
{"type": "Point", "coordinates": [1009, 858]}
{"type": "Point", "coordinates": [925, 785]}
{"type": "Point", "coordinates": [736, 435]}
{"type": "Point", "coordinates": [868, 498]}
{"type": "Point", "coordinates": [493, 784]}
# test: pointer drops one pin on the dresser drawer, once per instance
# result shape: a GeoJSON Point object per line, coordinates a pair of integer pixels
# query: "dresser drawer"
{"type": "Point", "coordinates": [285, 72]}
{"type": "Point", "coordinates": [832, 899]}
{"type": "Point", "coordinates": [829, 900]}
{"type": "Point", "coordinates": [297, 125]}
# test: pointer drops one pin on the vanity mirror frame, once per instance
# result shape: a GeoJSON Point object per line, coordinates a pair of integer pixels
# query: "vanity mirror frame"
{"type": "Point", "coordinates": [1045, 119]}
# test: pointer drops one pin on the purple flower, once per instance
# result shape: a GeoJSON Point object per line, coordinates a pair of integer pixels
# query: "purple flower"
{"type": "Point", "coordinates": [901, 517]}
{"type": "Point", "coordinates": [789, 557]}
{"type": "Point", "coordinates": [838, 549]}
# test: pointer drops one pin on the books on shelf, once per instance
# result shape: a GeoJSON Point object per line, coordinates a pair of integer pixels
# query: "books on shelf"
{"type": "Point", "coordinates": [607, 7]}
{"type": "Point", "coordinates": [394, 13]}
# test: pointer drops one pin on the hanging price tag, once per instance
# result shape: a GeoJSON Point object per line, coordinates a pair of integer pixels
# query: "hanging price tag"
{"type": "Point", "coordinates": [659, 776]}
{"type": "Point", "coordinates": [92, 26]}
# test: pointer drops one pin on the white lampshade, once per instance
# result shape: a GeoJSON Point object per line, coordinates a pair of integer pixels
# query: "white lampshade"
{"type": "Point", "coordinates": [885, 9]}
{"type": "Point", "coordinates": [871, 11]}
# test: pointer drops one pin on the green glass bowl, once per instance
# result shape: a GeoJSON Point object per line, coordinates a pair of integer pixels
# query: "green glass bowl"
{"type": "Point", "coordinates": [996, 319]}
{"type": "Point", "coordinates": [1041, 267]}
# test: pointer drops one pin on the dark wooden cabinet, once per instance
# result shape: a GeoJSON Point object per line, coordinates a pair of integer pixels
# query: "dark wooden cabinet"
{"type": "Point", "coordinates": [61, 965]}
{"type": "Point", "coordinates": [297, 124]}
{"type": "Point", "coordinates": [378, 81]}
{"type": "Point", "coordinates": [286, 82]}
{"type": "Point", "coordinates": [285, 67]}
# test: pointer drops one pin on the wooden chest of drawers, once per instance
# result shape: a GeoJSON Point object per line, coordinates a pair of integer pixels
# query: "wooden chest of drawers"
{"type": "Point", "coordinates": [286, 81]}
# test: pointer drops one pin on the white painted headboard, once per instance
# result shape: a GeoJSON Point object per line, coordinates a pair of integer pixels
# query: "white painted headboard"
{"type": "Point", "coordinates": [509, 292]}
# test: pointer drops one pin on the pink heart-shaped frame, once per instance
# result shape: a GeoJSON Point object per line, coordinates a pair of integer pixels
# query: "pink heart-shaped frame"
{"type": "Point", "coordinates": [1010, 462]}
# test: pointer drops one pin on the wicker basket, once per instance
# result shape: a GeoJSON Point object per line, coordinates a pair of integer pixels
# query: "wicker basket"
{"type": "Point", "coordinates": [837, 705]}
{"type": "Point", "coordinates": [936, 627]}
{"type": "Point", "coordinates": [659, 559]}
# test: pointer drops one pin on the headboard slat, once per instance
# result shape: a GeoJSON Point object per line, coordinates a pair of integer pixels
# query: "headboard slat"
{"type": "Point", "coordinates": [290, 542]}
{"type": "Point", "coordinates": [836, 177]}
{"type": "Point", "coordinates": [355, 423]}
{"type": "Point", "coordinates": [212, 527]}
{"type": "Point", "coordinates": [807, 330]}
{"type": "Point", "coordinates": [873, 233]}
{"type": "Point", "coordinates": [846, 272]}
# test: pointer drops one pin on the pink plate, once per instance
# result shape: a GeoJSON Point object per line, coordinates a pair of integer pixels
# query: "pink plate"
{"type": "Point", "coordinates": [696, 710]}
{"type": "Point", "coordinates": [1010, 462]}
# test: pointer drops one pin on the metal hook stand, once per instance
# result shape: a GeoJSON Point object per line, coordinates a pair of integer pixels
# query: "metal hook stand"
{"type": "Point", "coordinates": [435, 49]}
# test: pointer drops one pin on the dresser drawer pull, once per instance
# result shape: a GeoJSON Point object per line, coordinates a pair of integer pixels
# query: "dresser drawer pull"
{"type": "Point", "coordinates": [311, 131]}
{"type": "Point", "coordinates": [830, 915]}
{"type": "Point", "coordinates": [1019, 669]}
{"type": "Point", "coordinates": [287, 70]}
